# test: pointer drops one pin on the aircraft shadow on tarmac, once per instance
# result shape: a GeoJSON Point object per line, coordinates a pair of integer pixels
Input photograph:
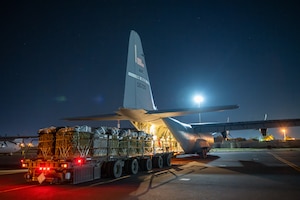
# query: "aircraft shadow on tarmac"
{"type": "Point", "coordinates": [279, 174]}
{"type": "Point", "coordinates": [253, 167]}
{"type": "Point", "coordinates": [194, 158]}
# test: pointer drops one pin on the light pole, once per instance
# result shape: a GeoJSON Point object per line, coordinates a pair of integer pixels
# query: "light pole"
{"type": "Point", "coordinates": [284, 135]}
{"type": "Point", "coordinates": [199, 99]}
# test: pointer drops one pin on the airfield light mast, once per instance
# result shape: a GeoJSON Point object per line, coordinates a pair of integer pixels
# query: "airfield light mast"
{"type": "Point", "coordinates": [284, 135]}
{"type": "Point", "coordinates": [199, 99]}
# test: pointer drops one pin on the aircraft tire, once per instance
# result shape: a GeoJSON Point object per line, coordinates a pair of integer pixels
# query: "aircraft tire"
{"type": "Point", "coordinates": [204, 153]}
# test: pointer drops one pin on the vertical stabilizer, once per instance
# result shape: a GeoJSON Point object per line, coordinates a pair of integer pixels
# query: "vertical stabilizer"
{"type": "Point", "coordinates": [138, 94]}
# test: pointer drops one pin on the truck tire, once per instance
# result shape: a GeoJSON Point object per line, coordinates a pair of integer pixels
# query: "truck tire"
{"type": "Point", "coordinates": [147, 164]}
{"type": "Point", "coordinates": [158, 162]}
{"type": "Point", "coordinates": [108, 169]}
{"type": "Point", "coordinates": [103, 169]}
{"type": "Point", "coordinates": [132, 166]}
{"type": "Point", "coordinates": [167, 160]}
{"type": "Point", "coordinates": [116, 169]}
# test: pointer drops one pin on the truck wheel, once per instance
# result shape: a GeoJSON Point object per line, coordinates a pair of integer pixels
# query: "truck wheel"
{"type": "Point", "coordinates": [147, 164]}
{"type": "Point", "coordinates": [105, 169]}
{"type": "Point", "coordinates": [158, 162]}
{"type": "Point", "coordinates": [133, 166]}
{"type": "Point", "coordinates": [108, 168]}
{"type": "Point", "coordinates": [117, 169]}
{"type": "Point", "coordinates": [167, 160]}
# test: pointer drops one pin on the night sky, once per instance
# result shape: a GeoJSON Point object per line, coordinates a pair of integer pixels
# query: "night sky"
{"type": "Point", "coordinates": [66, 59]}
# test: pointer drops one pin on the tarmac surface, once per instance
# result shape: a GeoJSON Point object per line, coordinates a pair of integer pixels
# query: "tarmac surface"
{"type": "Point", "coordinates": [225, 174]}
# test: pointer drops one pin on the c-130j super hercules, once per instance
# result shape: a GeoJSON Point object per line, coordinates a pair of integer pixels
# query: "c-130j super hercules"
{"type": "Point", "coordinates": [140, 110]}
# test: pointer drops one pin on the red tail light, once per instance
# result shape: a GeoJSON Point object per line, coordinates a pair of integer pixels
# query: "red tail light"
{"type": "Point", "coordinates": [79, 161]}
{"type": "Point", "coordinates": [44, 168]}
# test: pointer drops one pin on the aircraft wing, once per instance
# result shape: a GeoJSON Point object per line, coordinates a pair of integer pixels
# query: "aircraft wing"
{"type": "Point", "coordinates": [263, 124]}
{"type": "Point", "coordinates": [140, 114]}
{"type": "Point", "coordinates": [103, 117]}
{"type": "Point", "coordinates": [188, 111]}
{"type": "Point", "coordinates": [9, 138]}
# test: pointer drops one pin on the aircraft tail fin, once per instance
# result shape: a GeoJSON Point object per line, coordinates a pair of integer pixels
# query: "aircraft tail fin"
{"type": "Point", "coordinates": [138, 93]}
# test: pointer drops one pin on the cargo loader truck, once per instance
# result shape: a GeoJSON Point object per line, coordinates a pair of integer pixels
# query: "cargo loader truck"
{"type": "Point", "coordinates": [82, 153]}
